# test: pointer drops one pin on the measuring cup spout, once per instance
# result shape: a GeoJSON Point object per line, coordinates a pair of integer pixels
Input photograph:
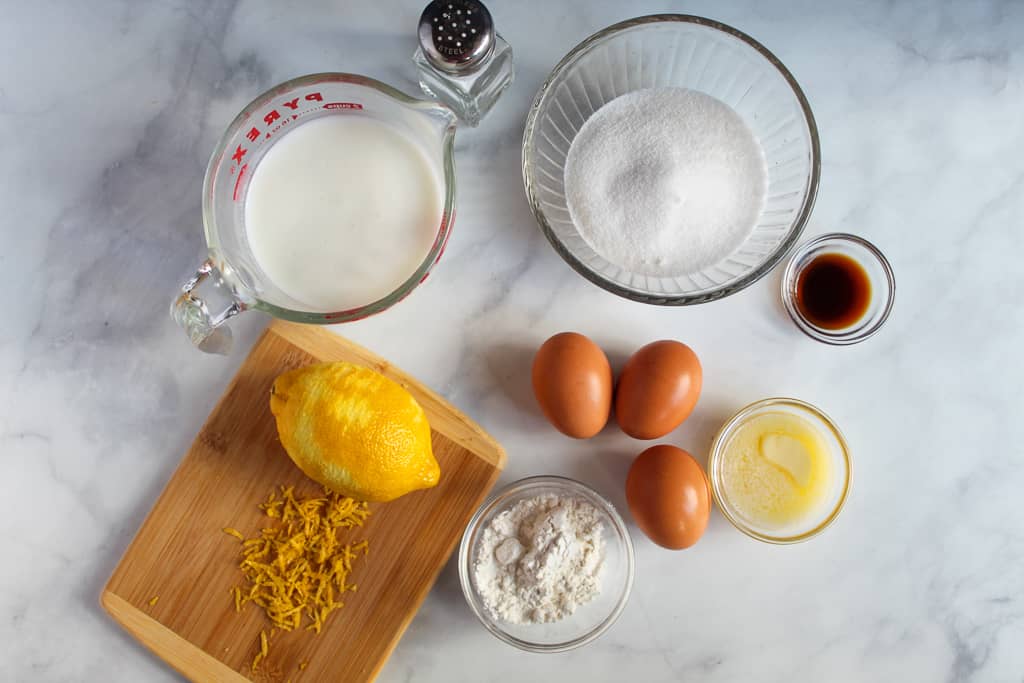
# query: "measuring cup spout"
{"type": "Point", "coordinates": [193, 312]}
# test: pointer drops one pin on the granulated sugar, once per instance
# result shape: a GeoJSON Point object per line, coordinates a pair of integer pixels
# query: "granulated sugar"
{"type": "Point", "coordinates": [665, 181]}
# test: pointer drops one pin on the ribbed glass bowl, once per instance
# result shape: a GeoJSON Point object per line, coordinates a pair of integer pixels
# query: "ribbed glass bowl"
{"type": "Point", "coordinates": [675, 50]}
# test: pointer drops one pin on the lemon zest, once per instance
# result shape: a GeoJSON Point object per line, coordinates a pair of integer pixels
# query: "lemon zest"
{"type": "Point", "coordinates": [299, 566]}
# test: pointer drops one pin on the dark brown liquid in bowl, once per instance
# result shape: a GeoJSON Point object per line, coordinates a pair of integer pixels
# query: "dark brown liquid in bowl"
{"type": "Point", "coordinates": [833, 291]}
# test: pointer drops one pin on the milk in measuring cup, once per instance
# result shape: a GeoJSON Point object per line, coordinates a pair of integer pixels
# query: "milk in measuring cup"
{"type": "Point", "coordinates": [342, 210]}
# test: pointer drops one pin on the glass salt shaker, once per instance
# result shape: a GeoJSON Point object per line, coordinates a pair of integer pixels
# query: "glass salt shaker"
{"type": "Point", "coordinates": [462, 61]}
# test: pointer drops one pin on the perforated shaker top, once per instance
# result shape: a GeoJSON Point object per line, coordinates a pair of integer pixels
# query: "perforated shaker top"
{"type": "Point", "coordinates": [456, 35]}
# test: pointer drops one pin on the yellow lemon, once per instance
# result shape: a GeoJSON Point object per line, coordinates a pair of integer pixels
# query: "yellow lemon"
{"type": "Point", "coordinates": [354, 431]}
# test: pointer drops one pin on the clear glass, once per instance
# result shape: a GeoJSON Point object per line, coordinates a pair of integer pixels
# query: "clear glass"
{"type": "Point", "coordinates": [672, 50]}
{"type": "Point", "coordinates": [231, 272]}
{"type": "Point", "coordinates": [471, 95]}
{"type": "Point", "coordinates": [841, 467]}
{"type": "Point", "coordinates": [588, 621]}
{"type": "Point", "coordinates": [883, 286]}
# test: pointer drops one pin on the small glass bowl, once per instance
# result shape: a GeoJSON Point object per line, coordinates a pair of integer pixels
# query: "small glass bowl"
{"type": "Point", "coordinates": [841, 466]}
{"type": "Point", "coordinates": [589, 620]}
{"type": "Point", "coordinates": [883, 286]}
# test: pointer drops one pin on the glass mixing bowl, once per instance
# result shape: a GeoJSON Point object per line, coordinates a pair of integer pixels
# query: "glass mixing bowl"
{"type": "Point", "coordinates": [589, 620]}
{"type": "Point", "coordinates": [674, 50]}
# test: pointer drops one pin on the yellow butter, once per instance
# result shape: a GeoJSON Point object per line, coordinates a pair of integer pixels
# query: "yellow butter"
{"type": "Point", "coordinates": [789, 454]}
{"type": "Point", "coordinates": [776, 469]}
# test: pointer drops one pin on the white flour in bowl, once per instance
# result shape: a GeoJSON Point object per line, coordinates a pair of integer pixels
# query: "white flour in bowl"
{"type": "Point", "coordinates": [540, 559]}
{"type": "Point", "coordinates": [665, 181]}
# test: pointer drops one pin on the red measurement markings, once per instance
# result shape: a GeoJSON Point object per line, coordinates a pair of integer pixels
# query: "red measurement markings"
{"type": "Point", "coordinates": [270, 118]}
{"type": "Point", "coordinates": [238, 183]}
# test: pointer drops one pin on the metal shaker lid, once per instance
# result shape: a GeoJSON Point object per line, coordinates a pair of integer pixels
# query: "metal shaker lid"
{"type": "Point", "coordinates": [456, 36]}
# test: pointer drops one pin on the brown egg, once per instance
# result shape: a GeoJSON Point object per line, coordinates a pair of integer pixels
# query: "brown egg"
{"type": "Point", "coordinates": [669, 496]}
{"type": "Point", "coordinates": [572, 381]}
{"type": "Point", "coordinates": [657, 390]}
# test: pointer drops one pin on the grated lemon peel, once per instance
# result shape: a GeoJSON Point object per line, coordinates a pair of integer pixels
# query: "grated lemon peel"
{"type": "Point", "coordinates": [298, 566]}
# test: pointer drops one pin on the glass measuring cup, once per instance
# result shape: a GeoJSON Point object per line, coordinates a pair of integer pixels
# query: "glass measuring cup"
{"type": "Point", "coordinates": [231, 281]}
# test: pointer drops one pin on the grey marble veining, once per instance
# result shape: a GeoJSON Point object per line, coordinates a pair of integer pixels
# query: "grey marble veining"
{"type": "Point", "coordinates": [108, 112]}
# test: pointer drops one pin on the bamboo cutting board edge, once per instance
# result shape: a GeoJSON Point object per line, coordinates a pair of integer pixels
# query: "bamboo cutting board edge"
{"type": "Point", "coordinates": [192, 660]}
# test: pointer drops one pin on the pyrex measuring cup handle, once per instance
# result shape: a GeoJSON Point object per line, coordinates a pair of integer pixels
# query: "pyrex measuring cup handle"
{"type": "Point", "coordinates": [193, 314]}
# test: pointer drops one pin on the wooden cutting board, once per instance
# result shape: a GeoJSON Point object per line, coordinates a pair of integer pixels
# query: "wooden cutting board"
{"type": "Point", "coordinates": [181, 557]}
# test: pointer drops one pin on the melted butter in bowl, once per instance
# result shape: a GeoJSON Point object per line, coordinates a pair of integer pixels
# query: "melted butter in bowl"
{"type": "Point", "coordinates": [776, 469]}
{"type": "Point", "coordinates": [780, 470]}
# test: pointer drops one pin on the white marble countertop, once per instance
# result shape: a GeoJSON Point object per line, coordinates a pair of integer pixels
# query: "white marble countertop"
{"type": "Point", "coordinates": [108, 112]}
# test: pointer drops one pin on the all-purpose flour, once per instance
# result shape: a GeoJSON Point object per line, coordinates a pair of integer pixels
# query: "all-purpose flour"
{"type": "Point", "coordinates": [540, 559]}
{"type": "Point", "coordinates": [665, 181]}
